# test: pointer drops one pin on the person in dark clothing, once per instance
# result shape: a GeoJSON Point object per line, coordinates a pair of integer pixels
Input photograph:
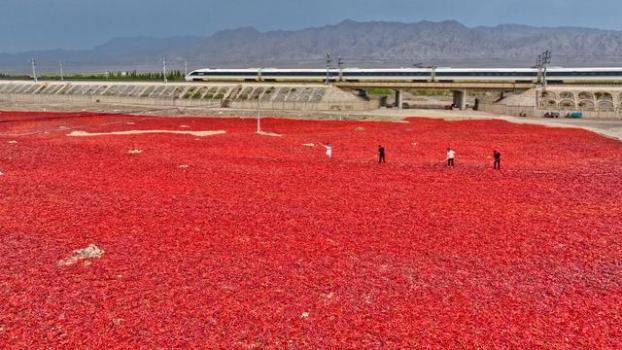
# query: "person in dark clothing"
{"type": "Point", "coordinates": [496, 155]}
{"type": "Point", "coordinates": [381, 155]}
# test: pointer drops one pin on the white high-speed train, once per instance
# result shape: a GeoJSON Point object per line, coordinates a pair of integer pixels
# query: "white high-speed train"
{"type": "Point", "coordinates": [519, 75]}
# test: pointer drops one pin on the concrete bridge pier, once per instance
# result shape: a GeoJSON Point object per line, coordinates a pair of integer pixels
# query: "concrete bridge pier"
{"type": "Point", "coordinates": [460, 99]}
{"type": "Point", "coordinates": [399, 99]}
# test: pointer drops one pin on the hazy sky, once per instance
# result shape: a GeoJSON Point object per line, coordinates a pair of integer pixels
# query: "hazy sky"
{"type": "Point", "coordinates": [45, 24]}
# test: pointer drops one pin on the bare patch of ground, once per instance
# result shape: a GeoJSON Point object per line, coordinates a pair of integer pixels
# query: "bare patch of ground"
{"type": "Point", "coordinates": [608, 128]}
{"type": "Point", "coordinates": [79, 133]}
{"type": "Point", "coordinates": [90, 252]}
{"type": "Point", "coordinates": [268, 133]}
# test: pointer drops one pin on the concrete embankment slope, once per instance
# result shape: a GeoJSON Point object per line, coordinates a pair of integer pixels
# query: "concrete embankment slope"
{"type": "Point", "coordinates": [308, 97]}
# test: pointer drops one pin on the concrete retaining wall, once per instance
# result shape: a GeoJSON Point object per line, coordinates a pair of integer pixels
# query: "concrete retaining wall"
{"type": "Point", "coordinates": [532, 111]}
{"type": "Point", "coordinates": [595, 102]}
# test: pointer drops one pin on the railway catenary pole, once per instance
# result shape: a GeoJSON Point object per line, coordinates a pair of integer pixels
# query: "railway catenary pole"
{"type": "Point", "coordinates": [258, 117]}
{"type": "Point", "coordinates": [164, 70]}
{"type": "Point", "coordinates": [432, 70]}
{"type": "Point", "coordinates": [547, 61]}
{"type": "Point", "coordinates": [340, 65]}
{"type": "Point", "coordinates": [328, 62]}
{"type": "Point", "coordinates": [542, 63]}
{"type": "Point", "coordinates": [34, 70]}
{"type": "Point", "coordinates": [539, 66]}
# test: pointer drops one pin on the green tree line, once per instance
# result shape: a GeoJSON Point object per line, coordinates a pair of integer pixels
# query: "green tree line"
{"type": "Point", "coordinates": [173, 75]}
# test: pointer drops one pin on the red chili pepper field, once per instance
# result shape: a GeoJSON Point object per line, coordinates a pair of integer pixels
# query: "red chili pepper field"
{"type": "Point", "coordinates": [240, 241]}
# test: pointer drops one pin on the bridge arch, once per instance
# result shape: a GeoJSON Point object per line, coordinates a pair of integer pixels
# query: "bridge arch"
{"type": "Point", "coordinates": [587, 105]}
{"type": "Point", "coordinates": [585, 95]}
{"type": "Point", "coordinates": [549, 103]}
{"type": "Point", "coordinates": [566, 95]}
{"type": "Point", "coordinates": [603, 96]}
{"type": "Point", "coordinates": [548, 95]}
{"type": "Point", "coordinates": [548, 99]}
{"type": "Point", "coordinates": [567, 104]}
{"type": "Point", "coordinates": [606, 106]}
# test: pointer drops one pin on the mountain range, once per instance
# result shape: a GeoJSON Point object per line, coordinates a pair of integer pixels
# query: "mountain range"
{"type": "Point", "coordinates": [360, 44]}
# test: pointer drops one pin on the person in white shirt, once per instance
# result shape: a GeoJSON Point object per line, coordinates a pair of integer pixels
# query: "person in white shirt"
{"type": "Point", "coordinates": [451, 156]}
{"type": "Point", "coordinates": [329, 150]}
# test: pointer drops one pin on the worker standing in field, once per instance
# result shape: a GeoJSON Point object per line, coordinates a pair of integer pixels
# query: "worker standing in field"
{"type": "Point", "coordinates": [451, 157]}
{"type": "Point", "coordinates": [496, 164]}
{"type": "Point", "coordinates": [381, 155]}
{"type": "Point", "coordinates": [329, 150]}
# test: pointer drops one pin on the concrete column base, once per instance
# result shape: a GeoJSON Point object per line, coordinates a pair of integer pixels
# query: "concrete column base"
{"type": "Point", "coordinates": [399, 99]}
{"type": "Point", "coordinates": [459, 98]}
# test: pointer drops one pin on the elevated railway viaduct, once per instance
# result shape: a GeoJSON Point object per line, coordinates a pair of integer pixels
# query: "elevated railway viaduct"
{"type": "Point", "coordinates": [459, 89]}
{"type": "Point", "coordinates": [458, 80]}
{"type": "Point", "coordinates": [595, 98]}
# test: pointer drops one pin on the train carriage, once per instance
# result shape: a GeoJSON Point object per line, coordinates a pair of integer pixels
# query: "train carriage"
{"type": "Point", "coordinates": [441, 74]}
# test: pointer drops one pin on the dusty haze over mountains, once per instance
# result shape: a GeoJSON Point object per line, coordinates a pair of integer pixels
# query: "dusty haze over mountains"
{"type": "Point", "coordinates": [447, 43]}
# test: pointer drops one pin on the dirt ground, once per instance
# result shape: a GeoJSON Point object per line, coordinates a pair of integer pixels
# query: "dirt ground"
{"type": "Point", "coordinates": [609, 128]}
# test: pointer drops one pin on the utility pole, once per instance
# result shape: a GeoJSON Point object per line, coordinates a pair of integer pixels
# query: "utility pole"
{"type": "Point", "coordinates": [537, 66]}
{"type": "Point", "coordinates": [328, 62]}
{"type": "Point", "coordinates": [340, 65]}
{"type": "Point", "coordinates": [62, 75]}
{"type": "Point", "coordinates": [542, 63]}
{"type": "Point", "coordinates": [185, 68]}
{"type": "Point", "coordinates": [547, 61]}
{"type": "Point", "coordinates": [164, 70]}
{"type": "Point", "coordinates": [258, 119]}
{"type": "Point", "coordinates": [34, 70]}
{"type": "Point", "coordinates": [258, 115]}
{"type": "Point", "coordinates": [434, 68]}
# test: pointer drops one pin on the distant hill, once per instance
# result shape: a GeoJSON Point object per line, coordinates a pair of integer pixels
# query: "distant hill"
{"type": "Point", "coordinates": [361, 44]}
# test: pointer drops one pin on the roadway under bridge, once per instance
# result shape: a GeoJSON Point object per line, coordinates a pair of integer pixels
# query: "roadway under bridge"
{"type": "Point", "coordinates": [458, 89]}
{"type": "Point", "coordinates": [503, 86]}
